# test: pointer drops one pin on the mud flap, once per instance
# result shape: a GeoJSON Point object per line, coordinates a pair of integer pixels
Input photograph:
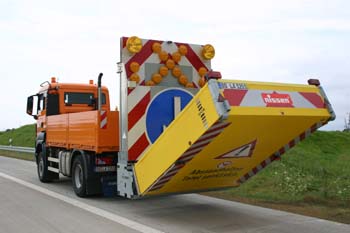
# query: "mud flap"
{"type": "Point", "coordinates": [109, 186]}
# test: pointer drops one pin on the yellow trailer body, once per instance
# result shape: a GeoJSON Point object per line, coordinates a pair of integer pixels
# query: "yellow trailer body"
{"type": "Point", "coordinates": [227, 133]}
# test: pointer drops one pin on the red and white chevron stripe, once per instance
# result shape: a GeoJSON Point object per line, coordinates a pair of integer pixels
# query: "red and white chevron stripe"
{"type": "Point", "coordinates": [267, 98]}
{"type": "Point", "coordinates": [189, 154]}
{"type": "Point", "coordinates": [280, 152]}
{"type": "Point", "coordinates": [138, 101]}
{"type": "Point", "coordinates": [103, 119]}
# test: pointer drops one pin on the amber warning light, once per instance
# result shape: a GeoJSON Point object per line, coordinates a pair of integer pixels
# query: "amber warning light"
{"type": "Point", "coordinates": [314, 82]}
{"type": "Point", "coordinates": [213, 75]}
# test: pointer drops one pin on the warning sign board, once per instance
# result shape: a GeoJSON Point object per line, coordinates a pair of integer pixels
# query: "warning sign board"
{"type": "Point", "coordinates": [242, 151]}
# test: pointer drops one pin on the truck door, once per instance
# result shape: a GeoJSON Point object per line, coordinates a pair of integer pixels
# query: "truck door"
{"type": "Point", "coordinates": [41, 112]}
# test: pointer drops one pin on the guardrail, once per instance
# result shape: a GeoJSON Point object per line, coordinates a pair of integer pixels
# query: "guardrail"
{"type": "Point", "coordinates": [18, 149]}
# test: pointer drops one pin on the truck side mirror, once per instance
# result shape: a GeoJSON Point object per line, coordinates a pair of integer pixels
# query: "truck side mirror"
{"type": "Point", "coordinates": [30, 101]}
{"type": "Point", "coordinates": [32, 105]}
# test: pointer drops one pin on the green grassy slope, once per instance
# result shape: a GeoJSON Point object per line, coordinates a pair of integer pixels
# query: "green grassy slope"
{"type": "Point", "coordinates": [23, 136]}
{"type": "Point", "coordinates": [316, 171]}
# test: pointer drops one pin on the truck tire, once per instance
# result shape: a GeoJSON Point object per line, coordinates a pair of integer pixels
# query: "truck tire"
{"type": "Point", "coordinates": [79, 177]}
{"type": "Point", "coordinates": [44, 174]}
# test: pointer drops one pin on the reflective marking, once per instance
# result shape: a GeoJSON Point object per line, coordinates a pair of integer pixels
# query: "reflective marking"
{"type": "Point", "coordinates": [94, 210]}
{"type": "Point", "coordinates": [177, 105]}
{"type": "Point", "coordinates": [103, 123]}
{"type": "Point", "coordinates": [197, 147]}
{"type": "Point", "coordinates": [177, 108]}
{"type": "Point", "coordinates": [136, 96]}
{"type": "Point", "coordinates": [259, 167]}
{"type": "Point", "coordinates": [136, 132]}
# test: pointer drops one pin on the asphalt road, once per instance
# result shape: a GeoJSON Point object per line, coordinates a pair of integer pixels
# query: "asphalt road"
{"type": "Point", "coordinates": [26, 205]}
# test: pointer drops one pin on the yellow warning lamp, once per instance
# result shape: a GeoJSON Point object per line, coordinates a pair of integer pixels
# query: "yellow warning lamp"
{"type": "Point", "coordinates": [156, 47]}
{"type": "Point", "coordinates": [163, 70]}
{"type": "Point", "coordinates": [208, 52]}
{"type": "Point", "coordinates": [135, 77]}
{"type": "Point", "coordinates": [314, 82]}
{"type": "Point", "coordinates": [202, 71]}
{"type": "Point", "coordinates": [156, 78]}
{"type": "Point", "coordinates": [53, 79]}
{"type": "Point", "coordinates": [182, 50]}
{"type": "Point", "coordinates": [176, 56]}
{"type": "Point", "coordinates": [149, 83]}
{"type": "Point", "coordinates": [189, 85]}
{"type": "Point", "coordinates": [134, 67]}
{"type": "Point", "coordinates": [163, 56]}
{"type": "Point", "coordinates": [183, 80]}
{"type": "Point", "coordinates": [170, 64]}
{"type": "Point", "coordinates": [176, 71]}
{"type": "Point", "coordinates": [134, 44]}
{"type": "Point", "coordinates": [201, 82]}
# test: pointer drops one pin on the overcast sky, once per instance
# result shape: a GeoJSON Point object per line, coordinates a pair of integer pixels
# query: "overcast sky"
{"type": "Point", "coordinates": [279, 41]}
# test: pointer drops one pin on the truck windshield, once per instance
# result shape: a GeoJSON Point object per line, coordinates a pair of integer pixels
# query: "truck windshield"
{"type": "Point", "coordinates": [81, 98]}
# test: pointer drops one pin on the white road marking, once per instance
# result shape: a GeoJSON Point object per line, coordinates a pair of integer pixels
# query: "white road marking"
{"type": "Point", "coordinates": [100, 212]}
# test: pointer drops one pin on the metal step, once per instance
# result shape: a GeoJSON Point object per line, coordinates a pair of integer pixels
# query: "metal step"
{"type": "Point", "coordinates": [52, 159]}
{"type": "Point", "coordinates": [53, 169]}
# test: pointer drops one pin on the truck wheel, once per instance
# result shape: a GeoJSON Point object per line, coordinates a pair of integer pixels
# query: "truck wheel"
{"type": "Point", "coordinates": [44, 174]}
{"type": "Point", "coordinates": [78, 176]}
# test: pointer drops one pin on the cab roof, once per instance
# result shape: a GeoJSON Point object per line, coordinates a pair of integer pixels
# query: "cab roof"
{"type": "Point", "coordinates": [70, 86]}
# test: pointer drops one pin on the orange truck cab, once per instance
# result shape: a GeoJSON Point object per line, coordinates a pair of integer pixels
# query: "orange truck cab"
{"type": "Point", "coordinates": [71, 129]}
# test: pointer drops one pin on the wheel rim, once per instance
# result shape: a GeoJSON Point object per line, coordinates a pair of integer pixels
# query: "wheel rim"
{"type": "Point", "coordinates": [78, 176]}
{"type": "Point", "coordinates": [41, 166]}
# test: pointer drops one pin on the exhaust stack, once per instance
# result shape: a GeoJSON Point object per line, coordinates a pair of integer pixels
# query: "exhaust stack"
{"type": "Point", "coordinates": [99, 92]}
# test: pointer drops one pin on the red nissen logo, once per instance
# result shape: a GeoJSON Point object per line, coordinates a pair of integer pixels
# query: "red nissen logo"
{"type": "Point", "coordinates": [277, 100]}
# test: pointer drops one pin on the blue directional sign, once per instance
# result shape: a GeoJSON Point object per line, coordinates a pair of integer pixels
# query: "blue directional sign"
{"type": "Point", "coordinates": [162, 109]}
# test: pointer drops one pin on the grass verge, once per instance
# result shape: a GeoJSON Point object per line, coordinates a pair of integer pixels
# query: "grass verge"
{"type": "Point", "coordinates": [329, 211]}
{"type": "Point", "coordinates": [17, 155]}
{"type": "Point", "coordinates": [22, 136]}
{"type": "Point", "coordinates": [311, 179]}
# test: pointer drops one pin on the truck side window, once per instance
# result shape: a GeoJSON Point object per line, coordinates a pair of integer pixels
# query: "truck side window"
{"type": "Point", "coordinates": [52, 105]}
{"type": "Point", "coordinates": [81, 98]}
{"type": "Point", "coordinates": [78, 98]}
{"type": "Point", "coordinates": [103, 98]}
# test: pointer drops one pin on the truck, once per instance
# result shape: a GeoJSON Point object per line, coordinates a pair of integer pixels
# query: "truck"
{"type": "Point", "coordinates": [180, 126]}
